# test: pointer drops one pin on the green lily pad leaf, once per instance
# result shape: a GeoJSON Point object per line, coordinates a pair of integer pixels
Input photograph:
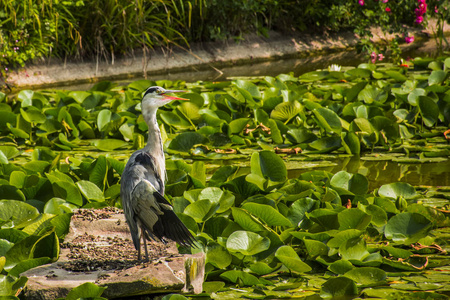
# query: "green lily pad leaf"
{"type": "Point", "coordinates": [26, 97]}
{"type": "Point", "coordinates": [269, 165]}
{"type": "Point", "coordinates": [39, 224]}
{"type": "Point", "coordinates": [429, 110]}
{"type": "Point", "coordinates": [353, 218]}
{"type": "Point", "coordinates": [247, 243]}
{"type": "Point", "coordinates": [241, 277]}
{"type": "Point", "coordinates": [90, 191]}
{"type": "Point", "coordinates": [213, 286]}
{"type": "Point", "coordinates": [79, 96]}
{"type": "Point", "coordinates": [398, 189]}
{"type": "Point", "coordinates": [396, 75]}
{"type": "Point", "coordinates": [298, 136]}
{"type": "Point", "coordinates": [267, 213]}
{"type": "Point", "coordinates": [291, 260]}
{"type": "Point", "coordinates": [367, 276]}
{"type": "Point", "coordinates": [185, 141]}
{"type": "Point", "coordinates": [407, 228]}
{"type": "Point", "coordinates": [326, 144]}
{"type": "Point", "coordinates": [5, 245]}
{"type": "Point", "coordinates": [218, 256]}
{"type": "Point", "coordinates": [343, 236]}
{"type": "Point", "coordinates": [33, 115]}
{"type": "Point", "coordinates": [10, 285]}
{"type": "Point", "coordinates": [250, 87]}
{"type": "Point", "coordinates": [245, 220]}
{"type": "Point", "coordinates": [237, 126]}
{"type": "Point", "coordinates": [190, 111]}
{"type": "Point", "coordinates": [10, 151]}
{"type": "Point", "coordinates": [33, 247]}
{"type": "Point", "coordinates": [28, 264]}
{"type": "Point", "coordinates": [103, 119]}
{"type": "Point", "coordinates": [341, 266]}
{"type": "Point", "coordinates": [201, 210]}
{"type": "Point", "coordinates": [87, 290]}
{"type": "Point", "coordinates": [351, 143]}
{"type": "Point", "coordinates": [355, 183]}
{"type": "Point", "coordinates": [315, 248]}
{"type": "Point", "coordinates": [397, 252]}
{"type": "Point", "coordinates": [68, 191]}
{"type": "Point", "coordinates": [174, 120]}
{"type": "Point", "coordinates": [326, 217]}
{"type": "Point", "coordinates": [221, 175]}
{"type": "Point", "coordinates": [297, 211]}
{"type": "Point", "coordinates": [414, 96]}
{"type": "Point", "coordinates": [437, 77]}
{"type": "Point", "coordinates": [12, 235]}
{"type": "Point", "coordinates": [262, 268]}
{"type": "Point", "coordinates": [359, 73]}
{"type": "Point", "coordinates": [354, 249]}
{"type": "Point", "coordinates": [379, 216]}
{"type": "Point", "coordinates": [58, 206]}
{"type": "Point", "coordinates": [109, 144]}
{"type": "Point", "coordinates": [224, 198]}
{"type": "Point", "coordinates": [286, 111]}
{"type": "Point", "coordinates": [328, 119]}
{"type": "Point", "coordinates": [17, 213]}
{"type": "Point", "coordinates": [338, 287]}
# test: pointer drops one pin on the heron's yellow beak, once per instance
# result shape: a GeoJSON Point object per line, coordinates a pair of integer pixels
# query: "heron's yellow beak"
{"type": "Point", "coordinates": [173, 97]}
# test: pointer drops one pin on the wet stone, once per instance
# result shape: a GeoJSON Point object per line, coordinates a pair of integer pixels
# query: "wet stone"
{"type": "Point", "coordinates": [98, 249]}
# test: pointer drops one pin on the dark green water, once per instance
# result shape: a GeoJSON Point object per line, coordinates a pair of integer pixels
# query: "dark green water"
{"type": "Point", "coordinates": [384, 172]}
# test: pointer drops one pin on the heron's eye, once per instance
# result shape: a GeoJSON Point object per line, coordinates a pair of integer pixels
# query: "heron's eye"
{"type": "Point", "coordinates": [152, 90]}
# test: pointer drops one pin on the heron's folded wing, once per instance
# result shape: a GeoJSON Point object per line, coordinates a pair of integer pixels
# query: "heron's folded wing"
{"type": "Point", "coordinates": [146, 207]}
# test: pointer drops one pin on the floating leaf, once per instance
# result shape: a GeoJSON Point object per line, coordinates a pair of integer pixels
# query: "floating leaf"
{"type": "Point", "coordinates": [328, 120]}
{"type": "Point", "coordinates": [397, 189]}
{"type": "Point", "coordinates": [90, 191]}
{"type": "Point", "coordinates": [407, 228]}
{"type": "Point", "coordinates": [429, 110]}
{"type": "Point", "coordinates": [338, 287]}
{"type": "Point", "coordinates": [267, 213]}
{"type": "Point", "coordinates": [291, 260]}
{"type": "Point", "coordinates": [247, 243]}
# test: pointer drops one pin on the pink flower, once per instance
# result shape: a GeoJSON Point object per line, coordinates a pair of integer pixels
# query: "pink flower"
{"type": "Point", "coordinates": [409, 39]}
{"type": "Point", "coordinates": [419, 19]}
{"type": "Point", "coordinates": [385, 1]}
{"type": "Point", "coordinates": [361, 2]}
{"type": "Point", "coordinates": [373, 57]}
{"type": "Point", "coordinates": [380, 57]}
{"type": "Point", "coordinates": [388, 9]}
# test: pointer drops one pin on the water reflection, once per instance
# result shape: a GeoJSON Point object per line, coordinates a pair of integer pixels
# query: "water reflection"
{"type": "Point", "coordinates": [383, 172]}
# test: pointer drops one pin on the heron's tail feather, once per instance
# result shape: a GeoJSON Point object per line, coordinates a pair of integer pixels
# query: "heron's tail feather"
{"type": "Point", "coordinates": [170, 226]}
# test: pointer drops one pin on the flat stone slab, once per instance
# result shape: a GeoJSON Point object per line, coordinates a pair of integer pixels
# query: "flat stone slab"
{"type": "Point", "coordinates": [98, 249]}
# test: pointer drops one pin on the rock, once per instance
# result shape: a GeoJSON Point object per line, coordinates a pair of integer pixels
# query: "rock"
{"type": "Point", "coordinates": [98, 250]}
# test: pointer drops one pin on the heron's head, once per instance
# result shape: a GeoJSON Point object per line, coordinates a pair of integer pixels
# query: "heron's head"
{"type": "Point", "coordinates": [156, 96]}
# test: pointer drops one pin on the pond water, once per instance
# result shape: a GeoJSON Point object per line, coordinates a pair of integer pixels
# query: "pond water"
{"type": "Point", "coordinates": [384, 172]}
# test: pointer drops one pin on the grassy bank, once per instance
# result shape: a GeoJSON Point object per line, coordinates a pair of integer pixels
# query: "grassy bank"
{"type": "Point", "coordinates": [30, 30]}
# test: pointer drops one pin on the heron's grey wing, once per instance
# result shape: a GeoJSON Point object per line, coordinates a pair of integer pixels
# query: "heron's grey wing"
{"type": "Point", "coordinates": [156, 216]}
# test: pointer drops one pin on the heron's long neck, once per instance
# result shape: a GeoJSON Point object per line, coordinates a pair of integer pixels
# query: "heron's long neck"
{"type": "Point", "coordinates": [154, 143]}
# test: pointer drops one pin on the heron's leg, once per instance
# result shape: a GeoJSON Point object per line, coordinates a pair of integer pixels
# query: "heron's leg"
{"type": "Point", "coordinates": [139, 244]}
{"type": "Point", "coordinates": [146, 251]}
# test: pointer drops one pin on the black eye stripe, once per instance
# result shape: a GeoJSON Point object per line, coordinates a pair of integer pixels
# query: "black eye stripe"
{"type": "Point", "coordinates": [152, 90]}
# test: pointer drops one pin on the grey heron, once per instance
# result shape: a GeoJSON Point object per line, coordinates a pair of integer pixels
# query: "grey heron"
{"type": "Point", "coordinates": [149, 215]}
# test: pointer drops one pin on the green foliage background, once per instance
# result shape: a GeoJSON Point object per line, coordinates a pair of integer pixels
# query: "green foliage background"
{"type": "Point", "coordinates": [104, 29]}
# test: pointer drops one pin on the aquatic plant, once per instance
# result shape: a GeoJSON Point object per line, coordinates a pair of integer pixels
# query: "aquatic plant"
{"type": "Point", "coordinates": [266, 232]}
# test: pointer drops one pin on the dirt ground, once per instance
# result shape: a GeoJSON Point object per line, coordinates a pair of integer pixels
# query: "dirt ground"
{"type": "Point", "coordinates": [88, 252]}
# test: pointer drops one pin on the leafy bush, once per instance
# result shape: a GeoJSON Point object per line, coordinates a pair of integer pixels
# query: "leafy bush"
{"type": "Point", "coordinates": [104, 29]}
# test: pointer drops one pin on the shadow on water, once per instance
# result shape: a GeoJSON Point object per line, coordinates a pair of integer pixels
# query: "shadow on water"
{"type": "Point", "coordinates": [384, 172]}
